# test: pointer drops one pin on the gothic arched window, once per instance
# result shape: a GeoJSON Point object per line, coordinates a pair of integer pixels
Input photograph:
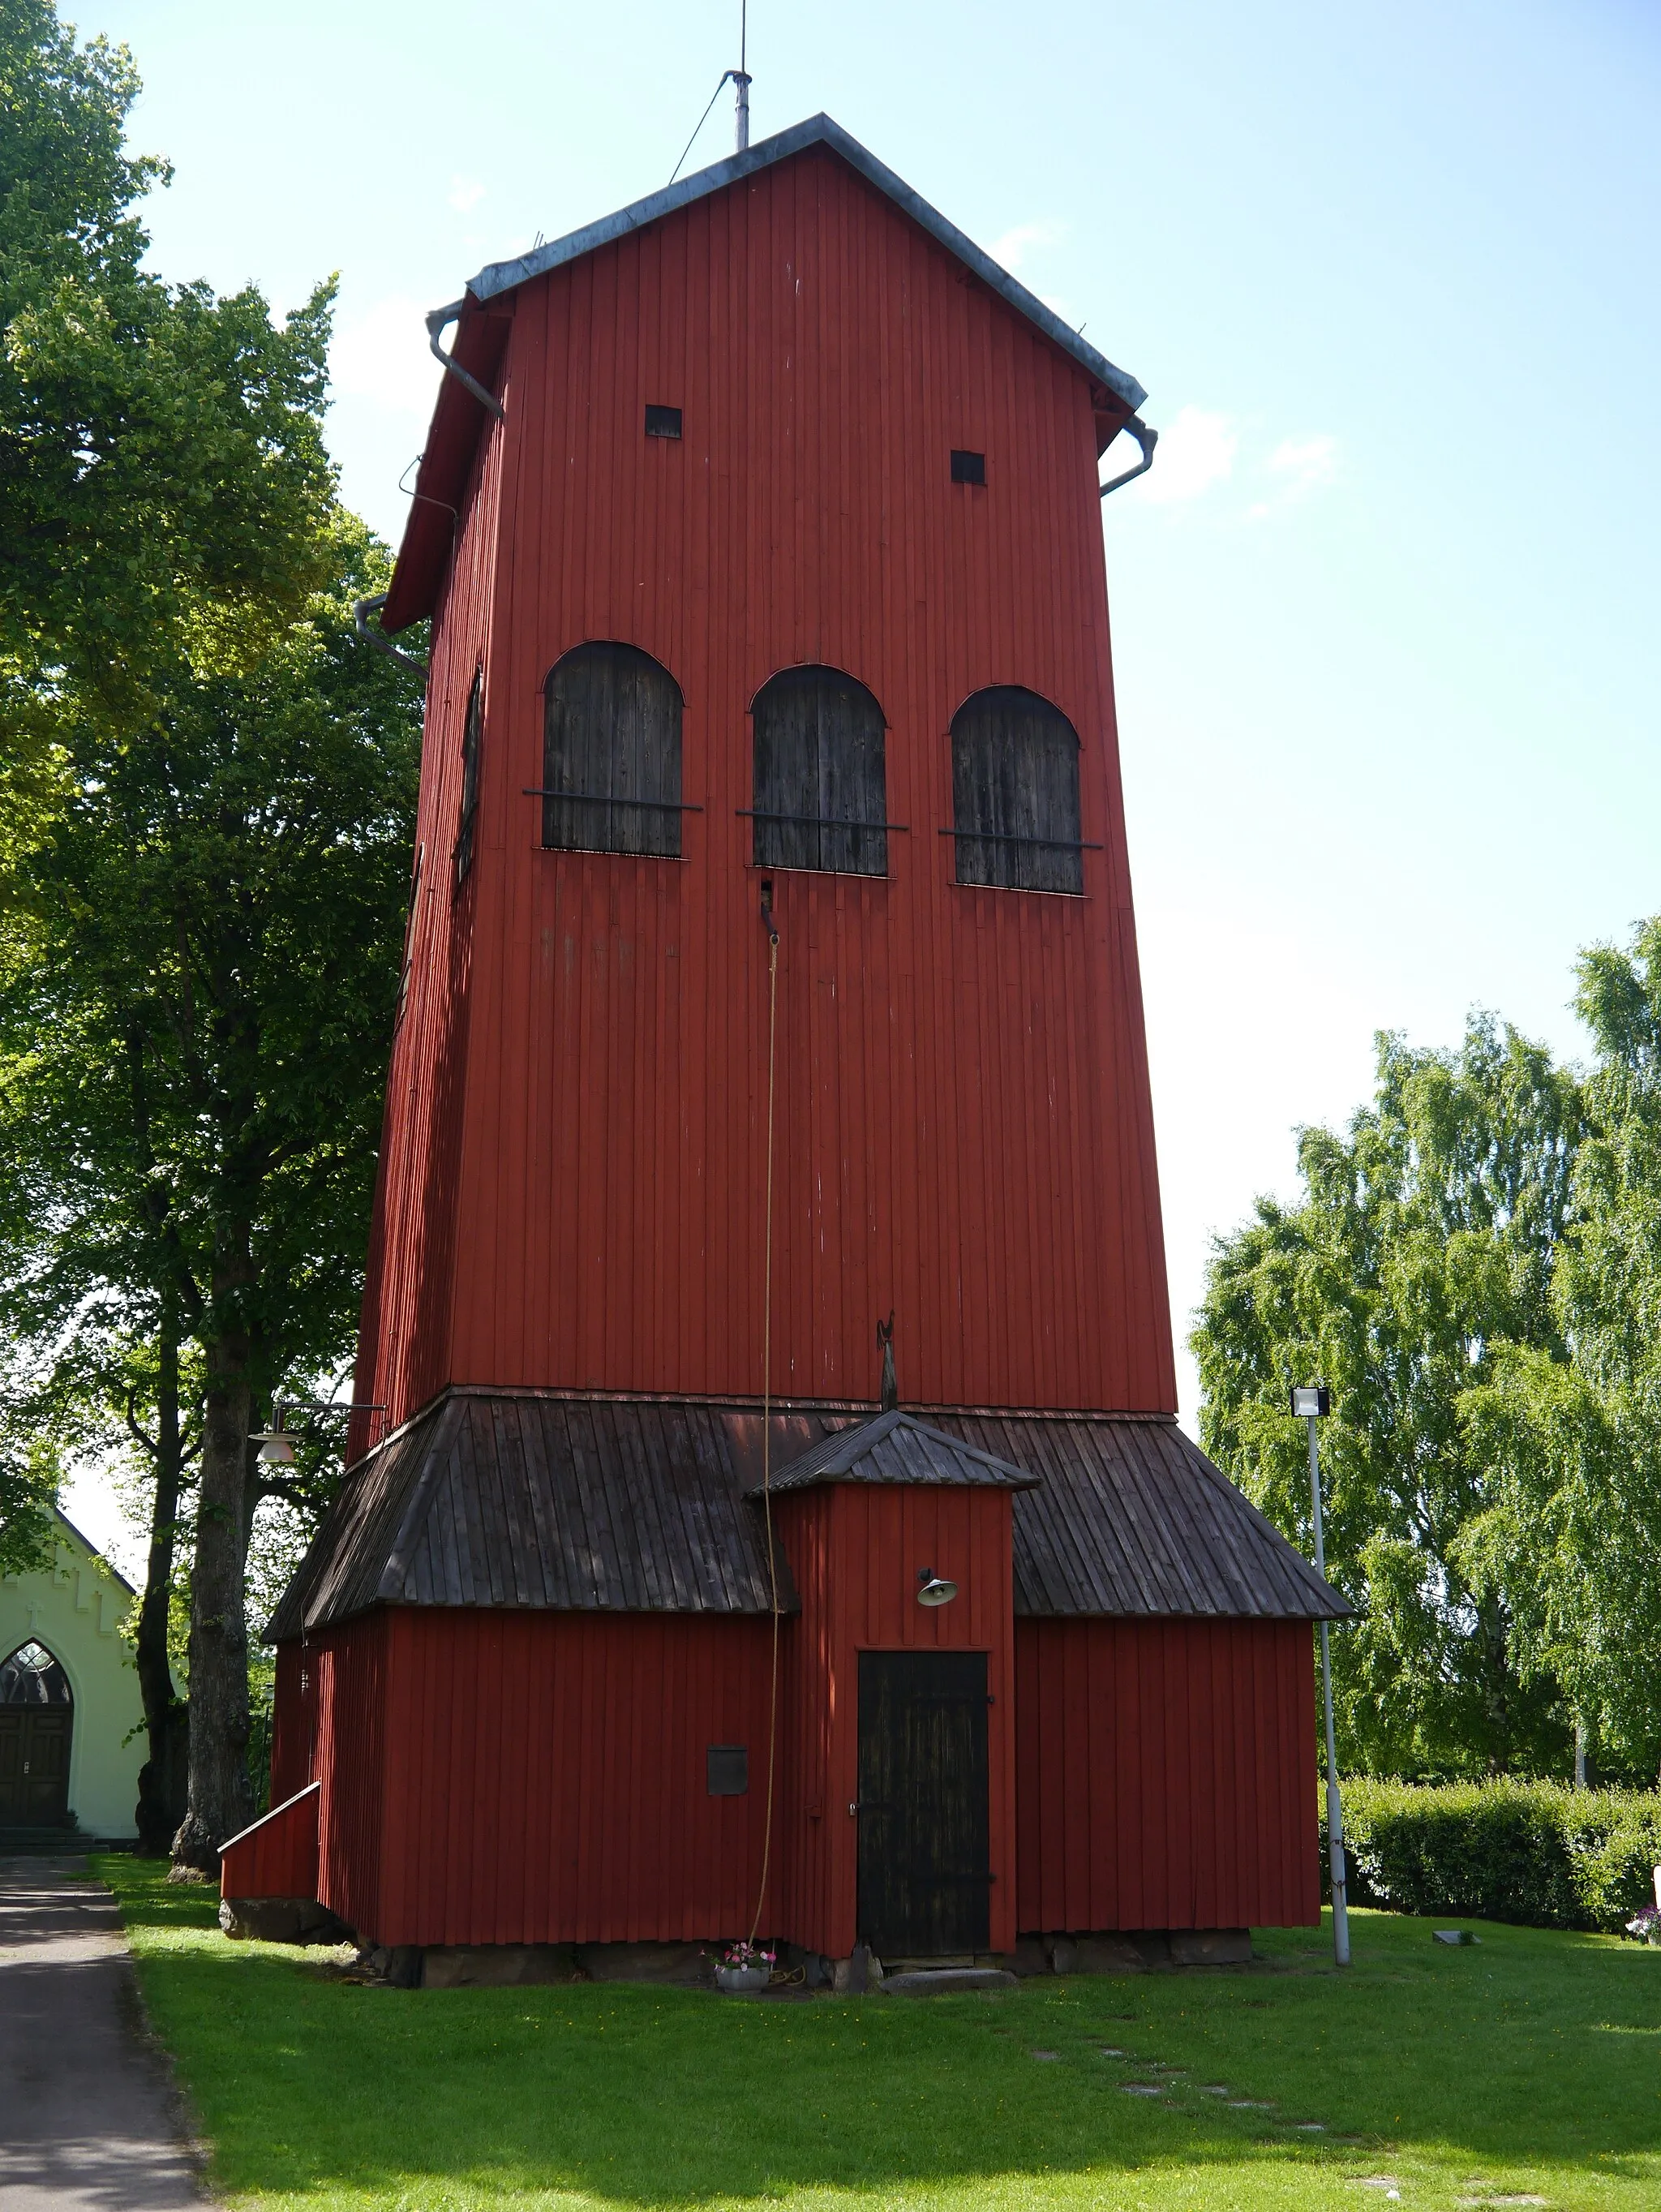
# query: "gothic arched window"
{"type": "Point", "coordinates": [33, 1677]}
{"type": "Point", "coordinates": [821, 790]}
{"type": "Point", "coordinates": [1014, 792]}
{"type": "Point", "coordinates": [612, 753]}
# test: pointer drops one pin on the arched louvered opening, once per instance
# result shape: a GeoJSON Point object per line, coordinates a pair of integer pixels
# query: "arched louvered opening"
{"type": "Point", "coordinates": [472, 738]}
{"type": "Point", "coordinates": [820, 787]}
{"type": "Point", "coordinates": [1014, 792]}
{"type": "Point", "coordinates": [31, 1676]}
{"type": "Point", "coordinates": [612, 753]}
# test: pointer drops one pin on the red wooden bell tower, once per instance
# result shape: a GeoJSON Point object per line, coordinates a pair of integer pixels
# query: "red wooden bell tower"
{"type": "Point", "coordinates": [573, 1188]}
{"type": "Point", "coordinates": [759, 531]}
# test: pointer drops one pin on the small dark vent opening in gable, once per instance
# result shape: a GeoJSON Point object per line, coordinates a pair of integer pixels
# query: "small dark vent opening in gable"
{"type": "Point", "coordinates": [729, 1769]}
{"type": "Point", "coordinates": [662, 423]}
{"type": "Point", "coordinates": [968, 468]}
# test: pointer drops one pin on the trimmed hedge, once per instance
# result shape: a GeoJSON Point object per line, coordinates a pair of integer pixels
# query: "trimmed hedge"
{"type": "Point", "coordinates": [1534, 1853]}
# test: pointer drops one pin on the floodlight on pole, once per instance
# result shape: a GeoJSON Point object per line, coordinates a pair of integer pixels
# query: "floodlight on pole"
{"type": "Point", "coordinates": [1310, 1404]}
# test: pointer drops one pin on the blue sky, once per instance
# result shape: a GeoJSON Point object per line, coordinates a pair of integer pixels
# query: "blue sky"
{"type": "Point", "coordinates": [1385, 612]}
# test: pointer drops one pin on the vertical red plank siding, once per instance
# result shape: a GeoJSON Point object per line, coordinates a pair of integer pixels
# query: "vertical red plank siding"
{"type": "Point", "coordinates": [278, 1856]}
{"type": "Point", "coordinates": [545, 1778]}
{"type": "Point", "coordinates": [404, 1334]}
{"type": "Point", "coordinates": [351, 1672]}
{"type": "Point", "coordinates": [574, 1158]}
{"type": "Point", "coordinates": [1165, 1774]}
{"type": "Point", "coordinates": [292, 1712]}
{"type": "Point", "coordinates": [854, 1552]}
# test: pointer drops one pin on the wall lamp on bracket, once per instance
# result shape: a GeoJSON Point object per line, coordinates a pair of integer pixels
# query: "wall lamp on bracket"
{"type": "Point", "coordinates": [934, 1589]}
{"type": "Point", "coordinates": [277, 1444]}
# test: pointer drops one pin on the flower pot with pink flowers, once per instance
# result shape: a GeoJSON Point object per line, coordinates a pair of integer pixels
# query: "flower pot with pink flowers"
{"type": "Point", "coordinates": [744, 1969]}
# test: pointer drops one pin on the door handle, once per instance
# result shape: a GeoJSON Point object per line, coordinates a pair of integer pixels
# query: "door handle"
{"type": "Point", "coordinates": [858, 1805]}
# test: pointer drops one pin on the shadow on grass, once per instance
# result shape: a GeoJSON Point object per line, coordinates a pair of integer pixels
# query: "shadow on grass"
{"type": "Point", "coordinates": [663, 2097]}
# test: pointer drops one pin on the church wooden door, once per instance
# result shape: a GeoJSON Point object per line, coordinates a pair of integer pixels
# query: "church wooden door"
{"type": "Point", "coordinates": [37, 1715]}
{"type": "Point", "coordinates": [34, 1765]}
{"type": "Point", "coordinates": [924, 1845]}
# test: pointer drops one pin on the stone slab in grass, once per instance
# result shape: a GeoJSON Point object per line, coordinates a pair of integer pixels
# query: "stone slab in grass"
{"type": "Point", "coordinates": [945, 1981]}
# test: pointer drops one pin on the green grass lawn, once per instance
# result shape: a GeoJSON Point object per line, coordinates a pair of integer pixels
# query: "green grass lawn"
{"type": "Point", "coordinates": [1525, 2070]}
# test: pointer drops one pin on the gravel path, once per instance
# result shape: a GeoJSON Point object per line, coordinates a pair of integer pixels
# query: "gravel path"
{"type": "Point", "coordinates": [89, 2115]}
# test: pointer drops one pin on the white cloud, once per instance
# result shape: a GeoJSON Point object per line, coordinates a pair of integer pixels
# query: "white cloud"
{"type": "Point", "coordinates": [1012, 249]}
{"type": "Point", "coordinates": [465, 193]}
{"type": "Point", "coordinates": [382, 354]}
{"type": "Point", "coordinates": [1195, 451]}
{"type": "Point", "coordinates": [1305, 462]}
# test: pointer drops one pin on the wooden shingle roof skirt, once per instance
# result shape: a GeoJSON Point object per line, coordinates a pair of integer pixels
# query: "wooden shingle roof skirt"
{"type": "Point", "coordinates": [574, 1502]}
{"type": "Point", "coordinates": [896, 1448]}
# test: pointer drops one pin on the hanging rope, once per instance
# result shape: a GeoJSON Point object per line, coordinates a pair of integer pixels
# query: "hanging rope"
{"type": "Point", "coordinates": [766, 1408]}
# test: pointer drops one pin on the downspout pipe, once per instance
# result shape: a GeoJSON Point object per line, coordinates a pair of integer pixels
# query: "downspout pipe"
{"type": "Point", "coordinates": [437, 323]}
{"type": "Point", "coordinates": [1147, 439]}
{"type": "Point", "coordinates": [361, 611]}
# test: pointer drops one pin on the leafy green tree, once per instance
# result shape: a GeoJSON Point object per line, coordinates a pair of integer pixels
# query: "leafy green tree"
{"type": "Point", "coordinates": [1426, 1241]}
{"type": "Point", "coordinates": [1575, 1531]}
{"type": "Point", "coordinates": [191, 1062]}
{"type": "Point", "coordinates": [163, 481]}
{"type": "Point", "coordinates": [28, 1491]}
{"type": "Point", "coordinates": [205, 799]}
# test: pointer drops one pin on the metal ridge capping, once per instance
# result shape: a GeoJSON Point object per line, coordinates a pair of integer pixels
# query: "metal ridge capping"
{"type": "Point", "coordinates": [498, 276]}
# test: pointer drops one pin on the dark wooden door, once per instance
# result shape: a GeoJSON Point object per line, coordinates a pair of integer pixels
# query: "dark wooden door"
{"type": "Point", "coordinates": [34, 1765]}
{"type": "Point", "coordinates": [925, 1847]}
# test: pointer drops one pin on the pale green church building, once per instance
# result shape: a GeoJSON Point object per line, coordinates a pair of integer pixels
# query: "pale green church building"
{"type": "Point", "coordinates": [71, 1718]}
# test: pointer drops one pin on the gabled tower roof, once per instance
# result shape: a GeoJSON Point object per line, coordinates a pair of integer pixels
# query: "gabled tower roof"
{"type": "Point", "coordinates": [458, 421]}
{"type": "Point", "coordinates": [498, 276]}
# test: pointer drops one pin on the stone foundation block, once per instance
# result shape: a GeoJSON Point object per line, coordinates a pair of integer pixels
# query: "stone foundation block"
{"type": "Point", "coordinates": [498, 1965]}
{"type": "Point", "coordinates": [1211, 1947]}
{"type": "Point", "coordinates": [688, 1965]}
{"type": "Point", "coordinates": [281, 1920]}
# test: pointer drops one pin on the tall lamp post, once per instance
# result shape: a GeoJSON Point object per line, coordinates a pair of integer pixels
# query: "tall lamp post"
{"type": "Point", "coordinates": [1311, 1405]}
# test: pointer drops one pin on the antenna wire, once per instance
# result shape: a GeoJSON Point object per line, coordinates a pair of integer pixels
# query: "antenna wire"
{"type": "Point", "coordinates": [702, 119]}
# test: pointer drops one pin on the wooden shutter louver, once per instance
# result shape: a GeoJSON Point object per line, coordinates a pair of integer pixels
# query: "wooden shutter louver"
{"type": "Point", "coordinates": [611, 754]}
{"type": "Point", "coordinates": [1015, 793]}
{"type": "Point", "coordinates": [820, 784]}
{"type": "Point", "coordinates": [472, 738]}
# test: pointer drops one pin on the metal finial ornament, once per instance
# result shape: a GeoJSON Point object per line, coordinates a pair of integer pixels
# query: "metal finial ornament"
{"type": "Point", "coordinates": [741, 80]}
{"type": "Point", "coordinates": [890, 1380]}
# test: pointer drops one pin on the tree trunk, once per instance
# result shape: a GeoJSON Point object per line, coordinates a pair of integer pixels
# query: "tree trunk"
{"type": "Point", "coordinates": [1581, 1733]}
{"type": "Point", "coordinates": [222, 1797]}
{"type": "Point", "coordinates": [158, 1811]}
